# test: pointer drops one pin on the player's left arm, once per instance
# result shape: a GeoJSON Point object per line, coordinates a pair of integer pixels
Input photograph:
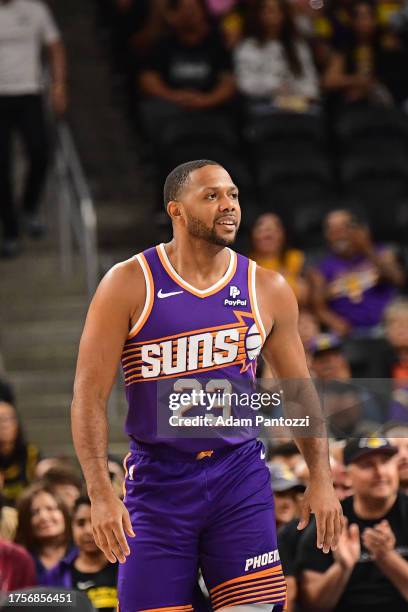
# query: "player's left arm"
{"type": "Point", "coordinates": [283, 351]}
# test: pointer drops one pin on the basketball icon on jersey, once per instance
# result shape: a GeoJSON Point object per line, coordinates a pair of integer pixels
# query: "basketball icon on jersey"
{"type": "Point", "coordinates": [253, 342]}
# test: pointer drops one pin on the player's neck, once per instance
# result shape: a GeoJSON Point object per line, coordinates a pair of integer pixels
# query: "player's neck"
{"type": "Point", "coordinates": [197, 262]}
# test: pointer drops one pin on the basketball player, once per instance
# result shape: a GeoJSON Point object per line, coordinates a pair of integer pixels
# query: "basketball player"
{"type": "Point", "coordinates": [191, 503]}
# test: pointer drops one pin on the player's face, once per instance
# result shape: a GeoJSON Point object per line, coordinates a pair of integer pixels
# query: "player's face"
{"type": "Point", "coordinates": [374, 476]}
{"type": "Point", "coordinates": [210, 206]}
{"type": "Point", "coordinates": [82, 530]}
{"type": "Point", "coordinates": [47, 520]}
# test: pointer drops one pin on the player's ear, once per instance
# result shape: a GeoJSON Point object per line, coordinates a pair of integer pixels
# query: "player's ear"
{"type": "Point", "coordinates": [174, 209]}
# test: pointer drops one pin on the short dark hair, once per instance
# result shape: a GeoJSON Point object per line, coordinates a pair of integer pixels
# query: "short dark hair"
{"type": "Point", "coordinates": [83, 500]}
{"type": "Point", "coordinates": [178, 178]}
{"type": "Point", "coordinates": [59, 475]}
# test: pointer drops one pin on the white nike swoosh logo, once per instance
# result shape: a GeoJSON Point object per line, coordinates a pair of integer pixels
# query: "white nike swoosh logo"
{"type": "Point", "coordinates": [85, 585]}
{"type": "Point", "coordinates": [263, 454]}
{"type": "Point", "coordinates": [160, 293]}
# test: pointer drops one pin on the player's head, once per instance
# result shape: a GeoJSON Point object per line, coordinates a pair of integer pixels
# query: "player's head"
{"type": "Point", "coordinates": [202, 201]}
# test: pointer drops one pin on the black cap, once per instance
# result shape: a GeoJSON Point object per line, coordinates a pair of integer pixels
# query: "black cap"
{"type": "Point", "coordinates": [323, 343]}
{"type": "Point", "coordinates": [361, 447]}
{"type": "Point", "coordinates": [283, 479]}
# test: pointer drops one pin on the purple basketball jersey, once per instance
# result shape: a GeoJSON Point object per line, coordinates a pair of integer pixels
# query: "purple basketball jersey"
{"type": "Point", "coordinates": [184, 332]}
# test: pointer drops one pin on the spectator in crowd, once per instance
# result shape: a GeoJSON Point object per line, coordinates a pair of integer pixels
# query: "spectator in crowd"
{"type": "Point", "coordinates": [356, 280]}
{"type": "Point", "coordinates": [230, 15]}
{"type": "Point", "coordinates": [350, 409]}
{"type": "Point", "coordinates": [85, 568]}
{"type": "Point", "coordinates": [188, 71]}
{"type": "Point", "coordinates": [368, 571]}
{"type": "Point", "coordinates": [44, 527]}
{"type": "Point", "coordinates": [289, 535]}
{"type": "Point", "coordinates": [286, 489]}
{"type": "Point", "coordinates": [17, 458]}
{"type": "Point", "coordinates": [117, 474]}
{"type": "Point", "coordinates": [395, 356]}
{"type": "Point", "coordinates": [369, 66]}
{"type": "Point", "coordinates": [17, 569]}
{"type": "Point", "coordinates": [270, 250]}
{"type": "Point", "coordinates": [284, 451]}
{"type": "Point", "coordinates": [141, 21]}
{"type": "Point", "coordinates": [8, 517]}
{"type": "Point", "coordinates": [25, 27]}
{"type": "Point", "coordinates": [328, 359]}
{"type": "Point", "coordinates": [309, 327]}
{"type": "Point", "coordinates": [341, 479]}
{"type": "Point", "coordinates": [274, 67]}
{"type": "Point", "coordinates": [45, 464]}
{"type": "Point", "coordinates": [65, 482]}
{"type": "Point", "coordinates": [397, 434]}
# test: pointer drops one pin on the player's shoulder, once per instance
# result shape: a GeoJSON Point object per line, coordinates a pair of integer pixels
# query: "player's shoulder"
{"type": "Point", "coordinates": [126, 269]}
{"type": "Point", "coordinates": [272, 283]}
{"type": "Point", "coordinates": [123, 280]}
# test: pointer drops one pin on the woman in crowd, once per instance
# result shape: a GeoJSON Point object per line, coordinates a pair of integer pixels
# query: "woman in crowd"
{"type": "Point", "coordinates": [270, 250]}
{"type": "Point", "coordinates": [17, 458]}
{"type": "Point", "coordinates": [274, 67]}
{"type": "Point", "coordinates": [369, 65]}
{"type": "Point", "coordinates": [44, 527]}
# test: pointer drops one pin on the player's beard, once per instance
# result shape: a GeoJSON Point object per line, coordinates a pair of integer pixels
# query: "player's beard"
{"type": "Point", "coordinates": [199, 229]}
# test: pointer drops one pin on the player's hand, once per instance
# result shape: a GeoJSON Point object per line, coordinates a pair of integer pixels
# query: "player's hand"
{"type": "Point", "coordinates": [110, 521]}
{"type": "Point", "coordinates": [379, 540]}
{"type": "Point", "coordinates": [348, 549]}
{"type": "Point", "coordinates": [321, 499]}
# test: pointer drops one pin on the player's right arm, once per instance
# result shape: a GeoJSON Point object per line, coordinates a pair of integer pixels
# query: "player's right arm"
{"type": "Point", "coordinates": [117, 302]}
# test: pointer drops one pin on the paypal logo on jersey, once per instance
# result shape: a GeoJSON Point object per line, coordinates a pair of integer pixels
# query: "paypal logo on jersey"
{"type": "Point", "coordinates": [233, 299]}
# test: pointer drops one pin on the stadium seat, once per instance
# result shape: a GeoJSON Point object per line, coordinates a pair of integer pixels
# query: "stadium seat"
{"type": "Point", "coordinates": [284, 136]}
{"type": "Point", "coordinates": [200, 128]}
{"type": "Point", "coordinates": [290, 180]}
{"type": "Point", "coordinates": [373, 124]}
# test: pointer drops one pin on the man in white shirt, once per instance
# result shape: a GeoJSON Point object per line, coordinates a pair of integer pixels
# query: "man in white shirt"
{"type": "Point", "coordinates": [26, 27]}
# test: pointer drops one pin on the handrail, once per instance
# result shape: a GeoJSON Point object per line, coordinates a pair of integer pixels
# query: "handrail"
{"type": "Point", "coordinates": [77, 215]}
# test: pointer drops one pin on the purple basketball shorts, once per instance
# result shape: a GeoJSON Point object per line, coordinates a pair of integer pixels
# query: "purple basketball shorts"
{"type": "Point", "coordinates": [212, 511]}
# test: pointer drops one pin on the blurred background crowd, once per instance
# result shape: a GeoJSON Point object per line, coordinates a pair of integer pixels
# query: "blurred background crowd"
{"type": "Point", "coordinates": [305, 102]}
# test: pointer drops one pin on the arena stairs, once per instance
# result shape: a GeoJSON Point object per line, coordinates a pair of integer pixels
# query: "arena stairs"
{"type": "Point", "coordinates": [41, 313]}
